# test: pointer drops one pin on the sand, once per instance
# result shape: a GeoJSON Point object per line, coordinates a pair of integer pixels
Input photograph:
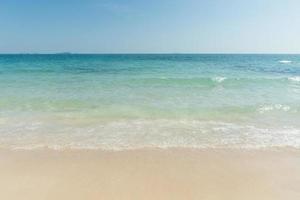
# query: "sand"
{"type": "Point", "coordinates": [154, 174]}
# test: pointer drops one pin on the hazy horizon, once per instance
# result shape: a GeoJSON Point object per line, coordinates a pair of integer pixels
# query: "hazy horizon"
{"type": "Point", "coordinates": [142, 53]}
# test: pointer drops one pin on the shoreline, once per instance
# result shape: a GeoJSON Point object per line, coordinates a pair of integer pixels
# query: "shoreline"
{"type": "Point", "coordinates": [175, 173]}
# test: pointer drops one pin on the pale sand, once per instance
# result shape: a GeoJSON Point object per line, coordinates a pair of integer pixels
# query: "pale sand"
{"type": "Point", "coordinates": [150, 174]}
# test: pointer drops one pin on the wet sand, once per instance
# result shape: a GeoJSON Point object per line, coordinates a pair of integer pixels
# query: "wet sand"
{"type": "Point", "coordinates": [150, 174]}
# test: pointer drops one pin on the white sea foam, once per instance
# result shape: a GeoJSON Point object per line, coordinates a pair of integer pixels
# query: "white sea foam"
{"type": "Point", "coordinates": [219, 79]}
{"type": "Point", "coordinates": [267, 108]}
{"type": "Point", "coordinates": [295, 79]}
{"type": "Point", "coordinates": [284, 61]}
{"type": "Point", "coordinates": [136, 134]}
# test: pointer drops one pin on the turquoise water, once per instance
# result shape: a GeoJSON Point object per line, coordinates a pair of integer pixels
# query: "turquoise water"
{"type": "Point", "coordinates": [135, 101]}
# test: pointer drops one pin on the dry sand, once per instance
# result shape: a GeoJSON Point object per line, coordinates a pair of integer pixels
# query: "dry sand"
{"type": "Point", "coordinates": [150, 174]}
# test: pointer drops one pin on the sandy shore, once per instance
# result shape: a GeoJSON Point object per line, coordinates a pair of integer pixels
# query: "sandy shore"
{"type": "Point", "coordinates": [150, 174]}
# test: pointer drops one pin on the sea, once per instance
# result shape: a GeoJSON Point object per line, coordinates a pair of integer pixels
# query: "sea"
{"type": "Point", "coordinates": [133, 101]}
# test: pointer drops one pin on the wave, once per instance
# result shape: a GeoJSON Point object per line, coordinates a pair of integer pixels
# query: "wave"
{"type": "Point", "coordinates": [278, 107]}
{"type": "Point", "coordinates": [284, 61]}
{"type": "Point", "coordinates": [219, 79]}
{"type": "Point", "coordinates": [295, 79]}
{"type": "Point", "coordinates": [136, 134]}
{"type": "Point", "coordinates": [211, 81]}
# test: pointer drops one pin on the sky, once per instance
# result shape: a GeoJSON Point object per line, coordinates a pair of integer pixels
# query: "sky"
{"type": "Point", "coordinates": [152, 26]}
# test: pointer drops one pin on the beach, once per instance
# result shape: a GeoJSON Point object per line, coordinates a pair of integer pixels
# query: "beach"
{"type": "Point", "coordinates": [150, 174]}
{"type": "Point", "coordinates": [149, 126]}
{"type": "Point", "coordinates": [149, 100]}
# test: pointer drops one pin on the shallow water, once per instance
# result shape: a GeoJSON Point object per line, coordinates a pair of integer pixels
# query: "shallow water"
{"type": "Point", "coordinates": [136, 101]}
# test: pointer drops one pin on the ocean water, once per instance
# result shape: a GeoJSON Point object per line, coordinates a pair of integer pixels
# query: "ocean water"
{"type": "Point", "coordinates": [117, 102]}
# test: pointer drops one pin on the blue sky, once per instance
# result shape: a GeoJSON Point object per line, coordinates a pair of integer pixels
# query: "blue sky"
{"type": "Point", "coordinates": [153, 26]}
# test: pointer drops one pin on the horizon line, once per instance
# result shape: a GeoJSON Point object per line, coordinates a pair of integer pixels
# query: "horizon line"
{"type": "Point", "coordinates": [147, 53]}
